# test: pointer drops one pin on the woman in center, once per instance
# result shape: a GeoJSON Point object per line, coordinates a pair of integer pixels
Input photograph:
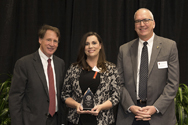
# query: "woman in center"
{"type": "Point", "coordinates": [91, 71]}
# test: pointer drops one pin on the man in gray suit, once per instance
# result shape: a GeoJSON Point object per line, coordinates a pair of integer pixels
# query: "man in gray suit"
{"type": "Point", "coordinates": [36, 84]}
{"type": "Point", "coordinates": [161, 82]}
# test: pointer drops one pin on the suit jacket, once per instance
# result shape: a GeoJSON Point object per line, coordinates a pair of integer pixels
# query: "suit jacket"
{"type": "Point", "coordinates": [162, 83]}
{"type": "Point", "coordinates": [29, 99]}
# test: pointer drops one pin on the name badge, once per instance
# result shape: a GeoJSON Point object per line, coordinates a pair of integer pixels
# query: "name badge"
{"type": "Point", "coordinates": [162, 65]}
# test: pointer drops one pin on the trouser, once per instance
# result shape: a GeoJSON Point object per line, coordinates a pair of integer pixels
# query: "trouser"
{"type": "Point", "coordinates": [52, 120]}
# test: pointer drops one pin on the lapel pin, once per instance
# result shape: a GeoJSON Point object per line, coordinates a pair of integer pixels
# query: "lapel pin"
{"type": "Point", "coordinates": [157, 47]}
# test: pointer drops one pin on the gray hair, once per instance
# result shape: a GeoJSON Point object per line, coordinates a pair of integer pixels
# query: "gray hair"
{"type": "Point", "coordinates": [146, 10]}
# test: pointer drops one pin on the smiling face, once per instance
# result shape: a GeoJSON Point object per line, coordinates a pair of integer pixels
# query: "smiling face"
{"type": "Point", "coordinates": [49, 43]}
{"type": "Point", "coordinates": [144, 30]}
{"type": "Point", "coordinates": [92, 47]}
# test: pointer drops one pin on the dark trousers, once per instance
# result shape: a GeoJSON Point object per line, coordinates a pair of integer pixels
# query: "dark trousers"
{"type": "Point", "coordinates": [140, 122]}
{"type": "Point", "coordinates": [52, 120]}
{"type": "Point", "coordinates": [69, 123]}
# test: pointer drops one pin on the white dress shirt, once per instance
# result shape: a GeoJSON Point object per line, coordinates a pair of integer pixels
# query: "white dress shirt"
{"type": "Point", "coordinates": [44, 60]}
{"type": "Point", "coordinates": [140, 46]}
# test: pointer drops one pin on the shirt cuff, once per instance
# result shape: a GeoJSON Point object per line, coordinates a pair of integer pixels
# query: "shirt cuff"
{"type": "Point", "coordinates": [156, 109]}
{"type": "Point", "coordinates": [129, 109]}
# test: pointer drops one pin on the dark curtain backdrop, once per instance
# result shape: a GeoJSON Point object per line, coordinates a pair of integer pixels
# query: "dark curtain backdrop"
{"type": "Point", "coordinates": [111, 19]}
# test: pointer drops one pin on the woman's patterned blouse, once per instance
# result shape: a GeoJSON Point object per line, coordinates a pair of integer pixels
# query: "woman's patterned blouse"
{"type": "Point", "coordinates": [108, 89]}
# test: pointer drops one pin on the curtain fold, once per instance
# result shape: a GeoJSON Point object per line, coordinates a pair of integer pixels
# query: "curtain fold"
{"type": "Point", "coordinates": [113, 20]}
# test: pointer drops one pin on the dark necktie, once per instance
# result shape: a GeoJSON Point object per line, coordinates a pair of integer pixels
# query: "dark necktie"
{"type": "Point", "coordinates": [51, 89]}
{"type": "Point", "coordinates": [143, 73]}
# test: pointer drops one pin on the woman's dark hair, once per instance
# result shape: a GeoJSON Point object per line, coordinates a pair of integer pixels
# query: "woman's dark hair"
{"type": "Point", "coordinates": [81, 58]}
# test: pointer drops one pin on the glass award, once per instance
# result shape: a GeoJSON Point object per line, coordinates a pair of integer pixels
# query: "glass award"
{"type": "Point", "coordinates": [87, 101]}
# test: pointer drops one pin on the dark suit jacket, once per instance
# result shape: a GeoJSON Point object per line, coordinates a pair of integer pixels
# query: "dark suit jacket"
{"type": "Point", "coordinates": [28, 99]}
{"type": "Point", "coordinates": [162, 83]}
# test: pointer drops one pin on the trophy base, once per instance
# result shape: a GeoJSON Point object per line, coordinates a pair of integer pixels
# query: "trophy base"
{"type": "Point", "coordinates": [87, 108]}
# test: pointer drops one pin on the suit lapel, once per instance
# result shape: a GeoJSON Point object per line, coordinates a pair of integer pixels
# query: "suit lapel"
{"type": "Point", "coordinates": [56, 74]}
{"type": "Point", "coordinates": [155, 51]}
{"type": "Point", "coordinates": [134, 58]}
{"type": "Point", "coordinates": [39, 69]}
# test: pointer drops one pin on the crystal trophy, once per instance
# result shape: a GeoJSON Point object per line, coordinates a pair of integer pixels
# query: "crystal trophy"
{"type": "Point", "coordinates": [87, 101]}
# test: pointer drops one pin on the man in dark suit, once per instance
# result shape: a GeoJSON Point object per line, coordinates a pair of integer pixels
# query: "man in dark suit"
{"type": "Point", "coordinates": [36, 84]}
{"type": "Point", "coordinates": [149, 90]}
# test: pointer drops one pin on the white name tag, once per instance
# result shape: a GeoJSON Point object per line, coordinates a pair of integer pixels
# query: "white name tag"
{"type": "Point", "coordinates": [162, 65]}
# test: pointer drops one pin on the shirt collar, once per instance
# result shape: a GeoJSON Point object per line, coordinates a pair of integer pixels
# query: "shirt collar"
{"type": "Point", "coordinates": [150, 41]}
{"type": "Point", "coordinates": [43, 56]}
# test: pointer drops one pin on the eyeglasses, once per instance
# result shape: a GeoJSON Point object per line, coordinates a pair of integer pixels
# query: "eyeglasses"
{"type": "Point", "coordinates": [145, 21]}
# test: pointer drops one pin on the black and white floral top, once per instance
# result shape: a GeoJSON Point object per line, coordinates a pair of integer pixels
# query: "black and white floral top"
{"type": "Point", "coordinates": [108, 89]}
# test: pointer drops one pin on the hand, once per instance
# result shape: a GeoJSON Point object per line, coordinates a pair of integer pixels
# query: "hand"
{"type": "Point", "coordinates": [145, 113]}
{"type": "Point", "coordinates": [140, 114]}
{"type": "Point", "coordinates": [80, 110]}
{"type": "Point", "coordinates": [135, 109]}
{"type": "Point", "coordinates": [95, 111]}
{"type": "Point", "coordinates": [149, 110]}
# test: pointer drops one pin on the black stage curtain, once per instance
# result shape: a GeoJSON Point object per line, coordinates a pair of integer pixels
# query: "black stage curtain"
{"type": "Point", "coordinates": [111, 19]}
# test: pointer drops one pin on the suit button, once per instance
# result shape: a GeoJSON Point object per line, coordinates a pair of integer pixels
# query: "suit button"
{"type": "Point", "coordinates": [47, 115]}
{"type": "Point", "coordinates": [47, 100]}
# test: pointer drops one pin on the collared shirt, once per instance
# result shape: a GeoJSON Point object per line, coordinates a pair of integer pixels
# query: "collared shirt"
{"type": "Point", "coordinates": [140, 46]}
{"type": "Point", "coordinates": [44, 60]}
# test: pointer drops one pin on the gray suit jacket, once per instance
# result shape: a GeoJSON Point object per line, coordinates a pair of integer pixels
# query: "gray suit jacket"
{"type": "Point", "coordinates": [162, 83]}
{"type": "Point", "coordinates": [29, 100]}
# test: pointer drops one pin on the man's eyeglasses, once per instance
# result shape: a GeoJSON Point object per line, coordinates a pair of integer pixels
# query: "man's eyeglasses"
{"type": "Point", "coordinates": [145, 21]}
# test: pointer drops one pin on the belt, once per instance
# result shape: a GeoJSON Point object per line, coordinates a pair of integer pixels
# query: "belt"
{"type": "Point", "coordinates": [142, 102]}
